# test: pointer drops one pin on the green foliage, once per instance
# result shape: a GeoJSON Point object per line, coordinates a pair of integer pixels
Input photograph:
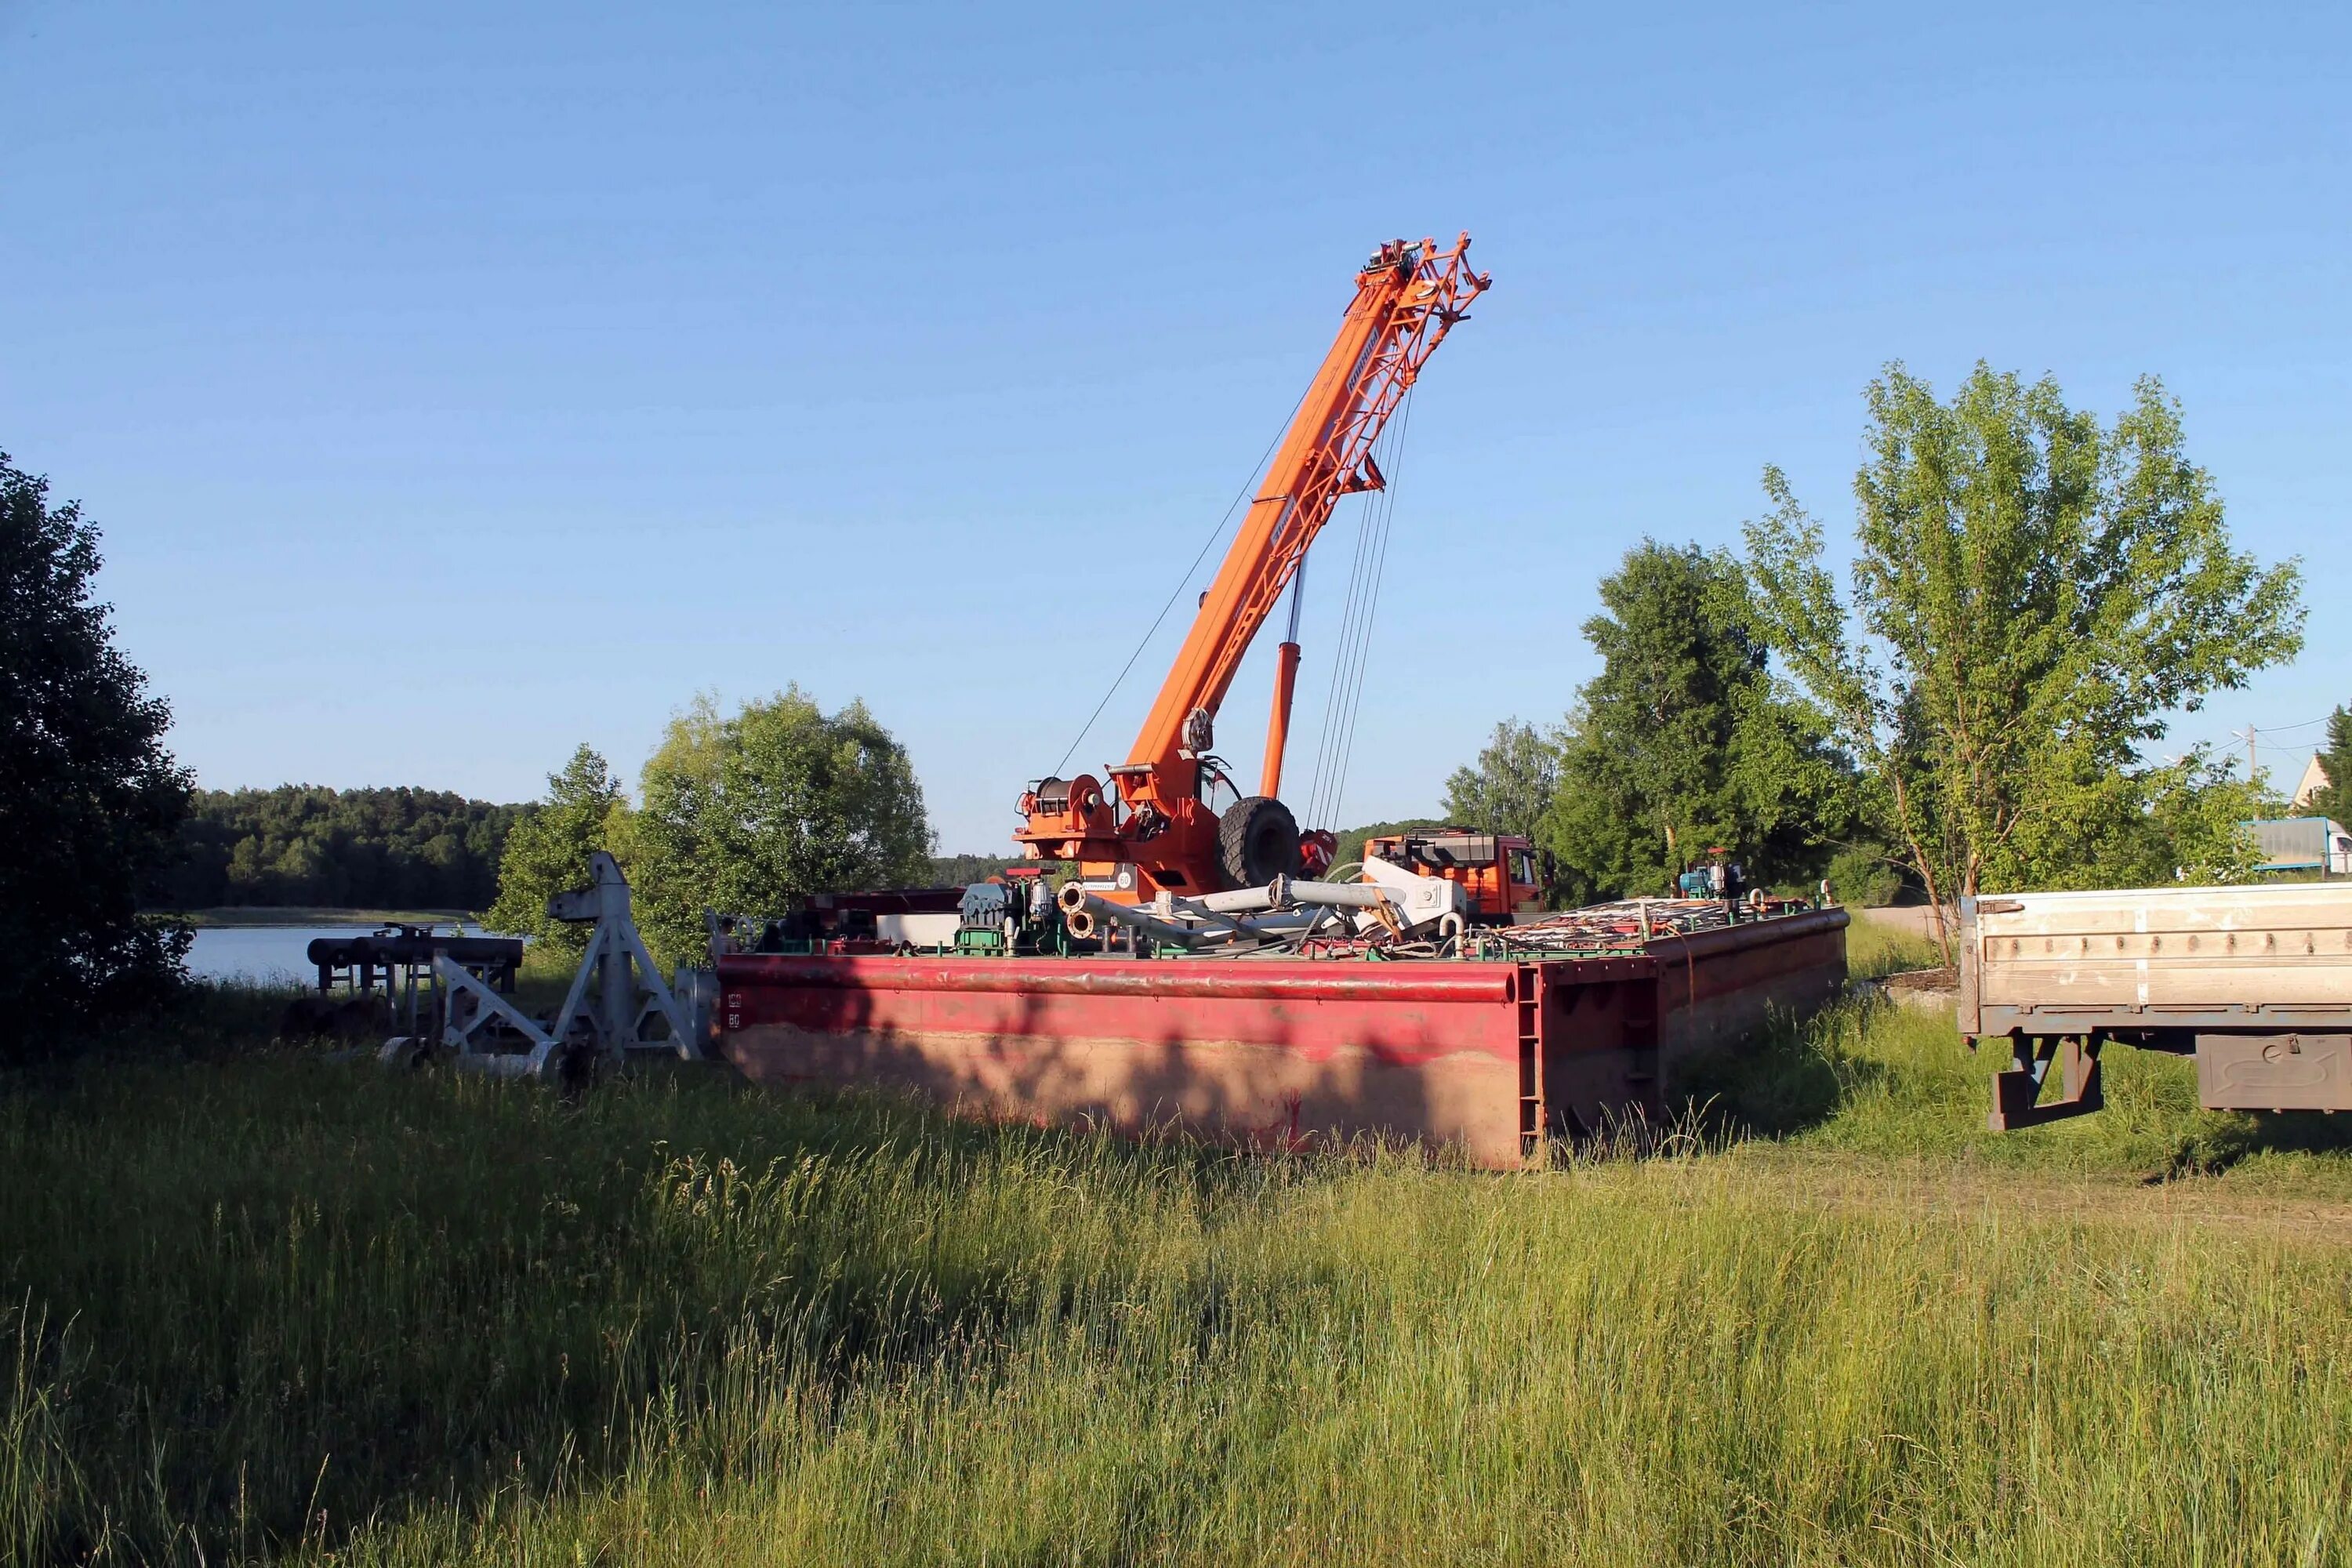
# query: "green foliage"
{"type": "Point", "coordinates": [2030, 596]}
{"type": "Point", "coordinates": [748, 814]}
{"type": "Point", "coordinates": [1683, 743]}
{"type": "Point", "coordinates": [1862, 875]}
{"type": "Point", "coordinates": [1509, 787]}
{"type": "Point", "coordinates": [2183, 821]}
{"type": "Point", "coordinates": [547, 852]}
{"type": "Point", "coordinates": [89, 799]}
{"type": "Point", "coordinates": [2335, 800]}
{"type": "Point", "coordinates": [299, 844]}
{"type": "Point", "coordinates": [962, 871]}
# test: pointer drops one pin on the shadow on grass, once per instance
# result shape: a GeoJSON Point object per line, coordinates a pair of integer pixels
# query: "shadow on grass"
{"type": "Point", "coordinates": [1869, 1078]}
{"type": "Point", "coordinates": [1796, 1076]}
{"type": "Point", "coordinates": [2225, 1141]}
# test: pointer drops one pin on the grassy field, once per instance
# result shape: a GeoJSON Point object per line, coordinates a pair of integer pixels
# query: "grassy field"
{"type": "Point", "coordinates": [259, 1305]}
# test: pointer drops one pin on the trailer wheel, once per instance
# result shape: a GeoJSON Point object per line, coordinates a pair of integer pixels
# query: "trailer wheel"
{"type": "Point", "coordinates": [1257, 840]}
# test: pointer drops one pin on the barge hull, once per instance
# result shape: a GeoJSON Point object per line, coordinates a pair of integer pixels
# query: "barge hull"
{"type": "Point", "coordinates": [1494, 1058]}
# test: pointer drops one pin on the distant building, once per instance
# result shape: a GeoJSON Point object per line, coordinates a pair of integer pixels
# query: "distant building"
{"type": "Point", "coordinates": [2305, 844]}
{"type": "Point", "coordinates": [2314, 779]}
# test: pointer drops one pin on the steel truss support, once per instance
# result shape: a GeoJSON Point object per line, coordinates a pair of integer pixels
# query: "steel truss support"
{"type": "Point", "coordinates": [615, 997]}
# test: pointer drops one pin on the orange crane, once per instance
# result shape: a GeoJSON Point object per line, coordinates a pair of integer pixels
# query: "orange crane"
{"type": "Point", "coordinates": [1152, 827]}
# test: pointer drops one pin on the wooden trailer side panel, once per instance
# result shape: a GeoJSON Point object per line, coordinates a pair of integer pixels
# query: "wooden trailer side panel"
{"type": "Point", "coordinates": [2155, 952]}
{"type": "Point", "coordinates": [2256, 981]}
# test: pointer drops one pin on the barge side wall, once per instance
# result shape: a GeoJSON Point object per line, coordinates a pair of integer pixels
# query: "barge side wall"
{"type": "Point", "coordinates": [1282, 1053]}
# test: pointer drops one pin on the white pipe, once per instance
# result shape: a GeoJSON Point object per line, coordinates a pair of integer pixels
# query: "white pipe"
{"type": "Point", "coordinates": [1089, 908]}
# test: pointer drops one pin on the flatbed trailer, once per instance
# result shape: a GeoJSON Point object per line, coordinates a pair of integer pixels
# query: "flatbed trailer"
{"type": "Point", "coordinates": [1496, 1056]}
{"type": "Point", "coordinates": [2255, 982]}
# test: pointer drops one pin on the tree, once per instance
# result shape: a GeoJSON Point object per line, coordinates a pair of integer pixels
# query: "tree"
{"type": "Point", "coordinates": [2335, 760]}
{"type": "Point", "coordinates": [1682, 744]}
{"type": "Point", "coordinates": [1510, 787]}
{"type": "Point", "coordinates": [90, 798]}
{"type": "Point", "coordinates": [748, 814]}
{"type": "Point", "coordinates": [2030, 596]}
{"type": "Point", "coordinates": [2183, 821]}
{"type": "Point", "coordinates": [547, 851]}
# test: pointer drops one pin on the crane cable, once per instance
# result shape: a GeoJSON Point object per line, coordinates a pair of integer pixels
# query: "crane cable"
{"type": "Point", "coordinates": [1181, 584]}
{"type": "Point", "coordinates": [1342, 649]}
{"type": "Point", "coordinates": [1371, 613]}
{"type": "Point", "coordinates": [1344, 645]}
{"type": "Point", "coordinates": [1343, 703]}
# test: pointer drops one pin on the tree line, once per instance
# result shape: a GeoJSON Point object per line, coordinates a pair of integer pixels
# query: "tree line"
{"type": "Point", "coordinates": [2030, 596]}
{"type": "Point", "coordinates": [304, 845]}
{"type": "Point", "coordinates": [394, 849]}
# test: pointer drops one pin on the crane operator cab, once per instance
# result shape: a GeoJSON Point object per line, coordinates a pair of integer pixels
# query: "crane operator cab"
{"type": "Point", "coordinates": [1503, 874]}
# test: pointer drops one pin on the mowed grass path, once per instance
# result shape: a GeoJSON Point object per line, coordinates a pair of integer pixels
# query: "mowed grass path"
{"type": "Point", "coordinates": [266, 1306]}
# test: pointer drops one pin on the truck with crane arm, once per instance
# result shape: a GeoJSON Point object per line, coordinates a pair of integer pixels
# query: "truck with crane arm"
{"type": "Point", "coordinates": [1150, 827]}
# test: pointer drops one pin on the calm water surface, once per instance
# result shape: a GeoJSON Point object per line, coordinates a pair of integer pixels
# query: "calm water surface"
{"type": "Point", "coordinates": [269, 955]}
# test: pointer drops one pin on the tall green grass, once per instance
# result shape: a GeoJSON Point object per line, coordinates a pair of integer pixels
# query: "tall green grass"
{"type": "Point", "coordinates": [1876, 948]}
{"type": "Point", "coordinates": [1866, 1079]}
{"type": "Point", "coordinates": [273, 1308]}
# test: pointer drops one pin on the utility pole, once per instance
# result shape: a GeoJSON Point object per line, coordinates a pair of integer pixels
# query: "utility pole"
{"type": "Point", "coordinates": [2253, 774]}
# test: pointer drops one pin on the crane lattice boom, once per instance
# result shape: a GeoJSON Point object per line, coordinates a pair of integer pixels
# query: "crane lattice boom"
{"type": "Point", "coordinates": [1407, 299]}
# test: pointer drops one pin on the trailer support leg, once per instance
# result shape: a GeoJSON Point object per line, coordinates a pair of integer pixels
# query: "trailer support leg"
{"type": "Point", "coordinates": [2016, 1089]}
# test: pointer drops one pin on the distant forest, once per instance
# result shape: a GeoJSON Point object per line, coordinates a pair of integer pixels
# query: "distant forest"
{"type": "Point", "coordinates": [302, 846]}
{"type": "Point", "coordinates": [356, 848]}
{"type": "Point", "coordinates": [962, 871]}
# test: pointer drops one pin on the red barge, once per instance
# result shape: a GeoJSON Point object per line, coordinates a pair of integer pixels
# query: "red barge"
{"type": "Point", "coordinates": [1494, 1056]}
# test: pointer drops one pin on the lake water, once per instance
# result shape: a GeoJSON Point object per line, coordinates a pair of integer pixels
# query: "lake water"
{"type": "Point", "coordinates": [269, 955]}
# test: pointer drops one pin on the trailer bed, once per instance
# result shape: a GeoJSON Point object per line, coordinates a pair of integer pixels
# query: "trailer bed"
{"type": "Point", "coordinates": [2256, 982]}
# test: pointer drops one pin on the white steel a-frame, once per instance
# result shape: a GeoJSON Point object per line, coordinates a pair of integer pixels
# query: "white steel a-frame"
{"type": "Point", "coordinates": [615, 997]}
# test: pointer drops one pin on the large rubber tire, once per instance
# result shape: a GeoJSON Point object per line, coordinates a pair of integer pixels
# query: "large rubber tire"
{"type": "Point", "coordinates": [1257, 840]}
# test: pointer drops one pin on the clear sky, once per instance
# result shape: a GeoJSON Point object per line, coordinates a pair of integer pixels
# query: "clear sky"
{"type": "Point", "coordinates": [455, 384]}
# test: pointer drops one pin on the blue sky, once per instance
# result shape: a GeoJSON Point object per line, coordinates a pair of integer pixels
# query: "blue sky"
{"type": "Point", "coordinates": [457, 383]}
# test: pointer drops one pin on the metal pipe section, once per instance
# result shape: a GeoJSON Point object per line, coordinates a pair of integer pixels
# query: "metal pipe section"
{"type": "Point", "coordinates": [1338, 895]}
{"type": "Point", "coordinates": [1284, 892]}
{"type": "Point", "coordinates": [1082, 910]}
{"type": "Point", "coordinates": [1280, 909]}
{"type": "Point", "coordinates": [1240, 901]}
